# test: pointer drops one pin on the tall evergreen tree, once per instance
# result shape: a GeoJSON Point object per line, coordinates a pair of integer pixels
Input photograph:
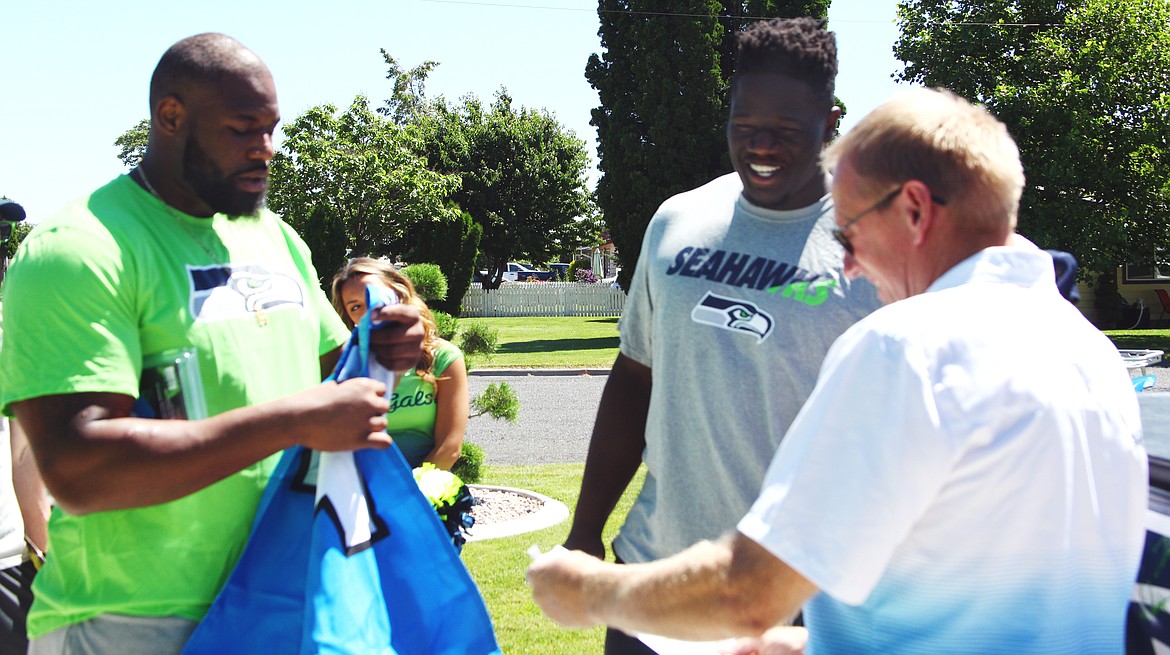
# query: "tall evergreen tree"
{"type": "Point", "coordinates": [452, 245]}
{"type": "Point", "coordinates": [664, 80]}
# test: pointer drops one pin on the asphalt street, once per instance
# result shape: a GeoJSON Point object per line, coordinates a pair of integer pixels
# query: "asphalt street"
{"type": "Point", "coordinates": [557, 409]}
{"type": "Point", "coordinates": [556, 418]}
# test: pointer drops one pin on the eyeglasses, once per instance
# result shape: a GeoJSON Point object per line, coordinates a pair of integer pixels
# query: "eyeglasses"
{"type": "Point", "coordinates": [839, 233]}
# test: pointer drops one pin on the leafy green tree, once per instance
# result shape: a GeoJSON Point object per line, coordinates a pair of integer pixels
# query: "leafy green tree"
{"type": "Point", "coordinates": [133, 142]}
{"type": "Point", "coordinates": [1082, 86]}
{"type": "Point", "coordinates": [407, 101]}
{"type": "Point", "coordinates": [522, 173]}
{"type": "Point", "coordinates": [19, 232]}
{"type": "Point", "coordinates": [352, 184]}
{"type": "Point", "coordinates": [664, 80]}
{"type": "Point", "coordinates": [328, 242]}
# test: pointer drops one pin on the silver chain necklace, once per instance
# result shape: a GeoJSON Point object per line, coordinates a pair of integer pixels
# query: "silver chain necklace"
{"type": "Point", "coordinates": [261, 315]}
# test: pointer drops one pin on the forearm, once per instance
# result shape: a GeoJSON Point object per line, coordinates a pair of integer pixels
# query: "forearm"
{"type": "Point", "coordinates": [712, 590]}
{"type": "Point", "coordinates": [452, 404]}
{"type": "Point", "coordinates": [124, 462]}
{"type": "Point", "coordinates": [95, 457]}
{"type": "Point", "coordinates": [615, 449]}
{"type": "Point", "coordinates": [686, 597]}
{"type": "Point", "coordinates": [445, 452]}
{"type": "Point", "coordinates": [31, 495]}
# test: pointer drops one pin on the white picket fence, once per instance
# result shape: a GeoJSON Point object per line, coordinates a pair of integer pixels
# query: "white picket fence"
{"type": "Point", "coordinates": [544, 299]}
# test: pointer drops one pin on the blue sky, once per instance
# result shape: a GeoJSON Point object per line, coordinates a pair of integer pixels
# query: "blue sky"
{"type": "Point", "coordinates": [74, 74]}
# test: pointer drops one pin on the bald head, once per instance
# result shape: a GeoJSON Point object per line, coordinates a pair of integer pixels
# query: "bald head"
{"type": "Point", "coordinates": [213, 112]}
{"type": "Point", "coordinates": [198, 62]}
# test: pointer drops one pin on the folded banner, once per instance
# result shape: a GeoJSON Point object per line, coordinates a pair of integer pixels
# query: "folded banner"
{"type": "Point", "coordinates": [347, 557]}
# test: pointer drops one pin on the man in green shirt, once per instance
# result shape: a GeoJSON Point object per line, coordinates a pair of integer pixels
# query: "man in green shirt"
{"type": "Point", "coordinates": [176, 262]}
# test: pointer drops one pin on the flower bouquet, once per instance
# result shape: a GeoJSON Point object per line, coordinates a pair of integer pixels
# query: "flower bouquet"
{"type": "Point", "coordinates": [450, 497]}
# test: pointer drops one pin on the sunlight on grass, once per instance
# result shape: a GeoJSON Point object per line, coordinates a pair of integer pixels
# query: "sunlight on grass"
{"type": "Point", "coordinates": [1140, 339]}
{"type": "Point", "coordinates": [498, 565]}
{"type": "Point", "coordinates": [550, 342]}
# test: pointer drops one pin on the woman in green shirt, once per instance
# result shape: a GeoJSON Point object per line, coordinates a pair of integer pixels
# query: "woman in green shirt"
{"type": "Point", "coordinates": [429, 406]}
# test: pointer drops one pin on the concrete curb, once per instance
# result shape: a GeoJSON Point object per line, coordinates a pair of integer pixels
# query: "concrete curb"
{"type": "Point", "coordinates": [511, 372]}
{"type": "Point", "coordinates": [551, 513]}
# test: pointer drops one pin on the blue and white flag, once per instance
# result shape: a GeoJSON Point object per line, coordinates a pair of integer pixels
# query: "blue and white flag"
{"type": "Point", "coordinates": [347, 557]}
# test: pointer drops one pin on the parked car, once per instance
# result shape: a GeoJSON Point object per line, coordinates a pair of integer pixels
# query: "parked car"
{"type": "Point", "coordinates": [517, 272]}
{"type": "Point", "coordinates": [561, 271]}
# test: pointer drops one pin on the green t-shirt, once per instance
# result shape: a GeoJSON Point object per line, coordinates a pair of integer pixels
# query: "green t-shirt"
{"type": "Point", "coordinates": [411, 420]}
{"type": "Point", "coordinates": [119, 276]}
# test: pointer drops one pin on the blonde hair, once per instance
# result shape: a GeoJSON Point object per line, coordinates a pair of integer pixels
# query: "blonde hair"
{"type": "Point", "coordinates": [958, 149]}
{"type": "Point", "coordinates": [385, 271]}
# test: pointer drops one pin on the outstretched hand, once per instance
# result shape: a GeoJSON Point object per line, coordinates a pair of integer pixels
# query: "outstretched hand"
{"type": "Point", "coordinates": [397, 344]}
{"type": "Point", "coordinates": [560, 582]}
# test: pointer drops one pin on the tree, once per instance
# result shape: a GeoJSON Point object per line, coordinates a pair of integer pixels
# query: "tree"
{"type": "Point", "coordinates": [133, 143]}
{"type": "Point", "coordinates": [1082, 86]}
{"type": "Point", "coordinates": [352, 184]}
{"type": "Point", "coordinates": [453, 246]}
{"type": "Point", "coordinates": [19, 232]}
{"type": "Point", "coordinates": [664, 81]}
{"type": "Point", "coordinates": [407, 101]}
{"type": "Point", "coordinates": [522, 174]}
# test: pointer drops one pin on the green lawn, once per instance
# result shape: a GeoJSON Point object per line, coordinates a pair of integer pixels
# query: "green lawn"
{"type": "Point", "coordinates": [550, 342]}
{"type": "Point", "coordinates": [584, 342]}
{"type": "Point", "coordinates": [498, 565]}
{"type": "Point", "coordinates": [1140, 339]}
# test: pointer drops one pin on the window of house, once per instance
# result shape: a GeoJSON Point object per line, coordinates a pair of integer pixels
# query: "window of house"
{"type": "Point", "coordinates": [1156, 272]}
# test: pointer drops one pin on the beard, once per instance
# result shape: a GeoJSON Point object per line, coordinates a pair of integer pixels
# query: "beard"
{"type": "Point", "coordinates": [215, 187]}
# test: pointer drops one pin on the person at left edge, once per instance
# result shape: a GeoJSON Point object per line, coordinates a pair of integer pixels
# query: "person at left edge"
{"type": "Point", "coordinates": [179, 254]}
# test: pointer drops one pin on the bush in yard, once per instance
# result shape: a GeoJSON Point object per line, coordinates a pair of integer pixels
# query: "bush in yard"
{"type": "Point", "coordinates": [445, 324]}
{"type": "Point", "coordinates": [586, 275]}
{"type": "Point", "coordinates": [499, 401]}
{"type": "Point", "coordinates": [479, 339]}
{"type": "Point", "coordinates": [469, 466]}
{"type": "Point", "coordinates": [428, 280]}
{"type": "Point", "coordinates": [574, 266]}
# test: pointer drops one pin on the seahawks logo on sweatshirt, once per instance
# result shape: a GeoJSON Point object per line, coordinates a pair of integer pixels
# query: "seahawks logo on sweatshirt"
{"type": "Point", "coordinates": [733, 314]}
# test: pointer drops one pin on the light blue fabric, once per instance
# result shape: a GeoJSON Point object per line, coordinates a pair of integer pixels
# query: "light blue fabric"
{"type": "Point", "coordinates": [401, 591]}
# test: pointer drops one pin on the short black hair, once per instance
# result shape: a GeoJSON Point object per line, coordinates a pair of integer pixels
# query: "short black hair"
{"type": "Point", "coordinates": [203, 59]}
{"type": "Point", "coordinates": [800, 48]}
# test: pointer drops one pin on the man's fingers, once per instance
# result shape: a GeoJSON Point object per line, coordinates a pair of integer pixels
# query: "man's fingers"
{"type": "Point", "coordinates": [397, 343]}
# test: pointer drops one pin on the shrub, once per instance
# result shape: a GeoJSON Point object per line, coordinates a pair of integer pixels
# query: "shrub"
{"type": "Point", "coordinates": [574, 265]}
{"type": "Point", "coordinates": [586, 275]}
{"type": "Point", "coordinates": [479, 339]}
{"type": "Point", "coordinates": [428, 280]}
{"type": "Point", "coordinates": [446, 325]}
{"type": "Point", "coordinates": [499, 401]}
{"type": "Point", "coordinates": [469, 466]}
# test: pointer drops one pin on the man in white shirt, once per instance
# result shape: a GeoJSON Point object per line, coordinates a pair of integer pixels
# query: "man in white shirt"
{"type": "Point", "coordinates": [967, 475]}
